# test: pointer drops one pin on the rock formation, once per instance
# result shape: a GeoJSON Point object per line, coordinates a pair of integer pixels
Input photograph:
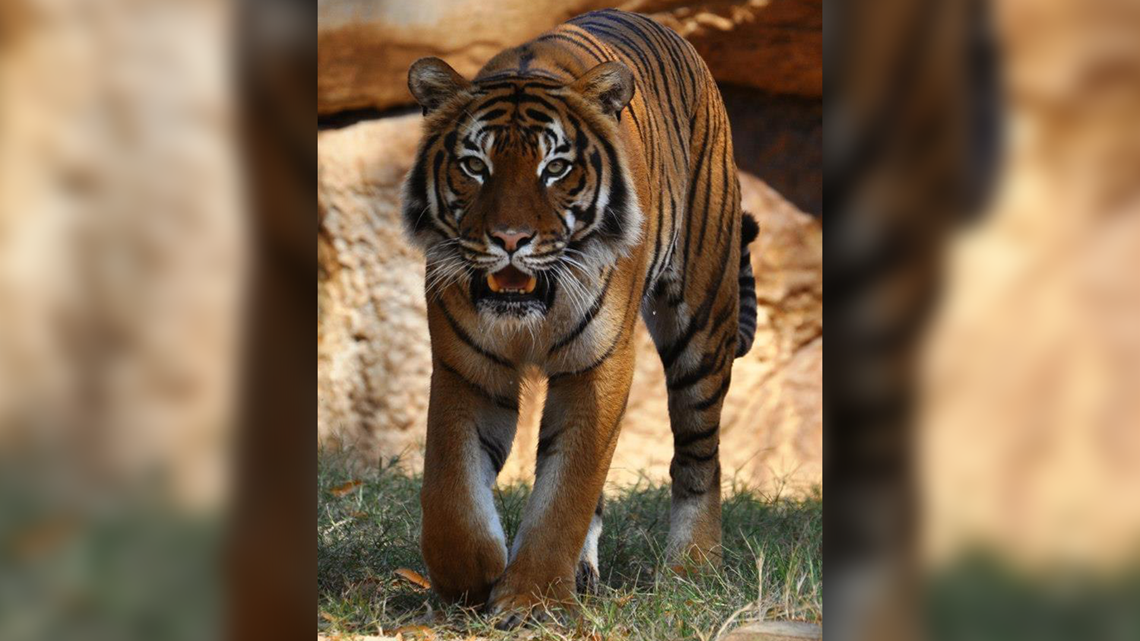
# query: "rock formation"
{"type": "Point", "coordinates": [364, 48]}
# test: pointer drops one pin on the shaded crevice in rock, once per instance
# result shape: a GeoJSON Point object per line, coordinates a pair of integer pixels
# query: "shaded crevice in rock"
{"type": "Point", "coordinates": [779, 139]}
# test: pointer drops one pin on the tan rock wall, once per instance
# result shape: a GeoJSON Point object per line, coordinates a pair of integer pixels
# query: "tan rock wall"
{"type": "Point", "coordinates": [1029, 439]}
{"type": "Point", "coordinates": [773, 45]}
{"type": "Point", "coordinates": [123, 245]}
{"type": "Point", "coordinates": [364, 47]}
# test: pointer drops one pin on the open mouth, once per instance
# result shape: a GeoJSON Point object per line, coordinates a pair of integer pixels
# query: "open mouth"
{"type": "Point", "coordinates": [511, 281]}
{"type": "Point", "coordinates": [511, 291]}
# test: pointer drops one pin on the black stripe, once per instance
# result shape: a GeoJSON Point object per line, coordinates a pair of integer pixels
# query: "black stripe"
{"type": "Point", "coordinates": [518, 97]}
{"type": "Point", "coordinates": [609, 30]}
{"type": "Point", "coordinates": [615, 212]}
{"type": "Point", "coordinates": [727, 192]}
{"type": "Point", "coordinates": [545, 443]}
{"type": "Point", "coordinates": [498, 100]}
{"type": "Point", "coordinates": [589, 316]}
{"type": "Point", "coordinates": [535, 114]}
{"type": "Point", "coordinates": [496, 453]}
{"type": "Point", "coordinates": [696, 175]}
{"type": "Point", "coordinates": [716, 396]}
{"type": "Point", "coordinates": [660, 267]}
{"type": "Point", "coordinates": [709, 364]}
{"type": "Point", "coordinates": [416, 204]}
{"type": "Point", "coordinates": [685, 440]}
{"type": "Point", "coordinates": [437, 164]}
{"type": "Point", "coordinates": [591, 214]}
{"type": "Point", "coordinates": [504, 402]}
{"type": "Point", "coordinates": [656, 250]}
{"type": "Point", "coordinates": [723, 203]}
{"type": "Point", "coordinates": [636, 123]}
{"type": "Point", "coordinates": [554, 378]}
{"type": "Point", "coordinates": [547, 134]}
{"type": "Point", "coordinates": [492, 114]}
{"type": "Point", "coordinates": [609, 351]}
{"type": "Point", "coordinates": [526, 56]}
{"type": "Point", "coordinates": [720, 319]}
{"type": "Point", "coordinates": [743, 344]}
{"type": "Point", "coordinates": [670, 353]}
{"type": "Point", "coordinates": [673, 45]}
{"type": "Point", "coordinates": [704, 182]}
{"type": "Point", "coordinates": [439, 221]}
{"type": "Point", "coordinates": [513, 84]}
{"type": "Point", "coordinates": [581, 140]}
{"type": "Point", "coordinates": [585, 46]}
{"type": "Point", "coordinates": [578, 188]}
{"type": "Point", "coordinates": [523, 98]}
{"type": "Point", "coordinates": [467, 340]}
{"type": "Point", "coordinates": [681, 457]}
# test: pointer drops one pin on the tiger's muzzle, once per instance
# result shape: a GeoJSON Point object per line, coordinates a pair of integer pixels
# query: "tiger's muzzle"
{"type": "Point", "coordinates": [513, 292]}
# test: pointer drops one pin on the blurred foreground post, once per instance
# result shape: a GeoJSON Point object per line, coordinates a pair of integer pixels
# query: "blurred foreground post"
{"type": "Point", "coordinates": [910, 146]}
{"type": "Point", "coordinates": [983, 396]}
{"type": "Point", "coordinates": [123, 276]}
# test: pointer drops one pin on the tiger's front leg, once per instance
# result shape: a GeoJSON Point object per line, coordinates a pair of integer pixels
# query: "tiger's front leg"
{"type": "Point", "coordinates": [579, 430]}
{"type": "Point", "coordinates": [470, 430]}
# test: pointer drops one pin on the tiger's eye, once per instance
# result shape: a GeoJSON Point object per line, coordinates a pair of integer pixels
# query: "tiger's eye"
{"type": "Point", "coordinates": [556, 168]}
{"type": "Point", "coordinates": [473, 165]}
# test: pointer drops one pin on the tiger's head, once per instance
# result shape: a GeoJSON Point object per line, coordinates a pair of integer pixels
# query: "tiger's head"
{"type": "Point", "coordinates": [520, 189]}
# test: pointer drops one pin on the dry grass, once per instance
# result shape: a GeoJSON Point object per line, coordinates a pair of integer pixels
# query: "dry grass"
{"type": "Point", "coordinates": [773, 565]}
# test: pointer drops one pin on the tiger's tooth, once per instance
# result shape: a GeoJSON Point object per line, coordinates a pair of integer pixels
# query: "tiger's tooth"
{"type": "Point", "coordinates": [492, 283]}
{"type": "Point", "coordinates": [531, 283]}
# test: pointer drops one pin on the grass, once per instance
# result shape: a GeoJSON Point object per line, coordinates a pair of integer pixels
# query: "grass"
{"type": "Point", "coordinates": [982, 597]}
{"type": "Point", "coordinates": [368, 527]}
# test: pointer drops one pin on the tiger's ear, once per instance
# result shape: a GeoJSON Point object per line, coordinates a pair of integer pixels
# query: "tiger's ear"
{"type": "Point", "coordinates": [432, 81]}
{"type": "Point", "coordinates": [610, 85]}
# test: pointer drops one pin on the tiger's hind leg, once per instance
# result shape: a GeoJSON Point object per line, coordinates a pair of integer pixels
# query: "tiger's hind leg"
{"type": "Point", "coordinates": [697, 342]}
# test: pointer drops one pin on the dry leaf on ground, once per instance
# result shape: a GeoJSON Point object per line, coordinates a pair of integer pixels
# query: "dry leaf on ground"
{"type": "Point", "coordinates": [413, 577]}
{"type": "Point", "coordinates": [415, 632]}
{"type": "Point", "coordinates": [345, 488]}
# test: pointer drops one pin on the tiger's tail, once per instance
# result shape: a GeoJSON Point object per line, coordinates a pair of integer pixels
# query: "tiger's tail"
{"type": "Point", "coordinates": [746, 327]}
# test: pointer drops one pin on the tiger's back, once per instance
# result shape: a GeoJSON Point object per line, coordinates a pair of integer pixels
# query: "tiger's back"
{"type": "Point", "coordinates": [579, 181]}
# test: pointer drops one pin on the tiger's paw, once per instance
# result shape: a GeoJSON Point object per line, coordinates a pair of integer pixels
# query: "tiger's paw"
{"type": "Point", "coordinates": [696, 560]}
{"type": "Point", "coordinates": [586, 578]}
{"type": "Point", "coordinates": [514, 602]}
{"type": "Point", "coordinates": [509, 611]}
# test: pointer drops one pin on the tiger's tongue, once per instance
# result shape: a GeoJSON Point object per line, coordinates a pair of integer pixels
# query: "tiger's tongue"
{"type": "Point", "coordinates": [511, 278]}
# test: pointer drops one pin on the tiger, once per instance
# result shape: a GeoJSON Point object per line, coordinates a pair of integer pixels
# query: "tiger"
{"type": "Point", "coordinates": [580, 181]}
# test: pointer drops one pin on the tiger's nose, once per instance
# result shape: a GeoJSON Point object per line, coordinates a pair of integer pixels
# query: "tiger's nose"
{"type": "Point", "coordinates": [512, 239]}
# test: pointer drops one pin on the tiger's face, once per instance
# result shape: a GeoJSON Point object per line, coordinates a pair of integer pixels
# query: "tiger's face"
{"type": "Point", "coordinates": [520, 190]}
